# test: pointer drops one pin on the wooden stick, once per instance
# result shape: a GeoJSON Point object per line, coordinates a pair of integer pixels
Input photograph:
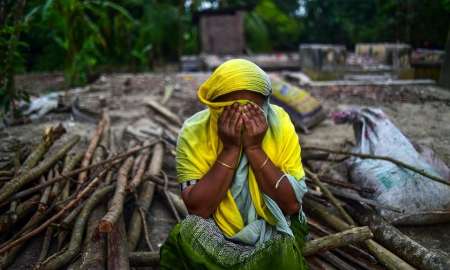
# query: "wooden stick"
{"type": "Point", "coordinates": [330, 196]}
{"type": "Point", "coordinates": [70, 162]}
{"type": "Point", "coordinates": [118, 247]}
{"type": "Point", "coordinates": [50, 136]}
{"type": "Point", "coordinates": [344, 238]}
{"type": "Point", "coordinates": [161, 109]}
{"type": "Point", "coordinates": [321, 244]}
{"type": "Point", "coordinates": [335, 261]}
{"type": "Point", "coordinates": [93, 253]}
{"type": "Point", "coordinates": [78, 231]}
{"type": "Point", "coordinates": [18, 182]}
{"type": "Point", "coordinates": [387, 258]}
{"type": "Point", "coordinates": [22, 210]}
{"type": "Point", "coordinates": [136, 181]}
{"type": "Point", "coordinates": [6, 246]}
{"type": "Point", "coordinates": [395, 161]}
{"type": "Point", "coordinates": [404, 246]}
{"type": "Point", "coordinates": [92, 146]}
{"type": "Point", "coordinates": [113, 161]}
{"type": "Point", "coordinates": [143, 202]}
{"type": "Point", "coordinates": [116, 207]}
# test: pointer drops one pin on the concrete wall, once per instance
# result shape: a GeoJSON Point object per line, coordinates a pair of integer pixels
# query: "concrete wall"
{"type": "Point", "coordinates": [395, 54]}
{"type": "Point", "coordinates": [222, 33]}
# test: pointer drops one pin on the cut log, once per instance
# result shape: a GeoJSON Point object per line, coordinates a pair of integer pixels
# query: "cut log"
{"type": "Point", "coordinates": [18, 182]}
{"type": "Point", "coordinates": [70, 205]}
{"type": "Point", "coordinates": [336, 261]}
{"type": "Point", "coordinates": [387, 258]}
{"type": "Point", "coordinates": [401, 244]}
{"type": "Point", "coordinates": [137, 178]}
{"type": "Point", "coordinates": [118, 247]}
{"type": "Point", "coordinates": [70, 162]}
{"type": "Point", "coordinates": [116, 206]}
{"type": "Point", "coordinates": [76, 239]}
{"type": "Point", "coordinates": [93, 255]}
{"type": "Point", "coordinates": [111, 162]}
{"type": "Point", "coordinates": [92, 146]}
{"type": "Point", "coordinates": [330, 196]}
{"type": "Point", "coordinates": [50, 136]}
{"type": "Point", "coordinates": [161, 109]}
{"type": "Point", "coordinates": [311, 247]}
{"type": "Point", "coordinates": [143, 201]}
{"type": "Point", "coordinates": [350, 236]}
{"type": "Point", "coordinates": [22, 210]}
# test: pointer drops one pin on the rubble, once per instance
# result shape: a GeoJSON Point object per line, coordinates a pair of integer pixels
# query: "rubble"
{"type": "Point", "coordinates": [146, 197]}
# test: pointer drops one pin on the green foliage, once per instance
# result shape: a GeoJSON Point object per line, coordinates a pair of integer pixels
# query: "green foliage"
{"type": "Point", "coordinates": [86, 31]}
{"type": "Point", "coordinates": [82, 37]}
{"type": "Point", "coordinates": [12, 60]}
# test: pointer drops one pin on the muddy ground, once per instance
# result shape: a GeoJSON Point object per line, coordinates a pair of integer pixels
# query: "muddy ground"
{"type": "Point", "coordinates": [421, 112]}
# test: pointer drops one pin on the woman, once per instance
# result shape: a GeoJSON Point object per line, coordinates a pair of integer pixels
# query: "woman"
{"type": "Point", "coordinates": [239, 166]}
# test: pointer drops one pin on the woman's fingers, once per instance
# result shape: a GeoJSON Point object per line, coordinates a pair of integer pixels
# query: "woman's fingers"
{"type": "Point", "coordinates": [234, 117]}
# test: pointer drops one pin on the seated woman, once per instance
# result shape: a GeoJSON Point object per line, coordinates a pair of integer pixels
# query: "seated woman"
{"type": "Point", "coordinates": [242, 180]}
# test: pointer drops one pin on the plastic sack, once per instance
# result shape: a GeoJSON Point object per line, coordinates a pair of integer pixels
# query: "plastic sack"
{"type": "Point", "coordinates": [395, 186]}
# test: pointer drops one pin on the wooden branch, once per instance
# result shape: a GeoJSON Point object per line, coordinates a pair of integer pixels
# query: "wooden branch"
{"type": "Point", "coordinates": [161, 109]}
{"type": "Point", "coordinates": [143, 202]}
{"type": "Point", "coordinates": [22, 210]}
{"type": "Point", "coordinates": [336, 261]}
{"type": "Point", "coordinates": [136, 181]}
{"type": "Point", "coordinates": [387, 258]}
{"type": "Point", "coordinates": [118, 247]}
{"type": "Point", "coordinates": [6, 246]}
{"type": "Point", "coordinates": [321, 244]}
{"type": "Point", "coordinates": [144, 259]}
{"type": "Point", "coordinates": [91, 148]}
{"type": "Point", "coordinates": [93, 254]}
{"type": "Point", "coordinates": [112, 161]}
{"type": "Point", "coordinates": [18, 182]}
{"type": "Point", "coordinates": [330, 196]}
{"type": "Point", "coordinates": [70, 162]}
{"type": "Point", "coordinates": [50, 136]}
{"type": "Point", "coordinates": [422, 218]}
{"type": "Point", "coordinates": [344, 238]}
{"type": "Point", "coordinates": [116, 206]}
{"type": "Point", "coordinates": [405, 247]}
{"type": "Point", "coordinates": [77, 232]}
{"type": "Point", "coordinates": [386, 158]}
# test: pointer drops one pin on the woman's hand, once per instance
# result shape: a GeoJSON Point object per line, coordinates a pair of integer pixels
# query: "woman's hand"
{"type": "Point", "coordinates": [230, 125]}
{"type": "Point", "coordinates": [255, 126]}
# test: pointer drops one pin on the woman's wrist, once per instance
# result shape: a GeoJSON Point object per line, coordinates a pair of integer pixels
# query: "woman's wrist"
{"type": "Point", "coordinates": [252, 148]}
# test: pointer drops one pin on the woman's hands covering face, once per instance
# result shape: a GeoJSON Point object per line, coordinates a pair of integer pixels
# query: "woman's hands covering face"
{"type": "Point", "coordinates": [234, 118]}
{"type": "Point", "coordinates": [255, 126]}
{"type": "Point", "coordinates": [230, 126]}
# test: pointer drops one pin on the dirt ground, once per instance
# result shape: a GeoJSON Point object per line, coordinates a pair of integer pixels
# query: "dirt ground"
{"type": "Point", "coordinates": [421, 112]}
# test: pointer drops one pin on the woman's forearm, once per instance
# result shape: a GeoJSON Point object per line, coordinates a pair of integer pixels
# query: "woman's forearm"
{"type": "Point", "coordinates": [267, 177]}
{"type": "Point", "coordinates": [204, 197]}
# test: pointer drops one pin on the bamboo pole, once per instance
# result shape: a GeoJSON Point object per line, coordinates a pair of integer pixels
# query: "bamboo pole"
{"type": "Point", "coordinates": [18, 182]}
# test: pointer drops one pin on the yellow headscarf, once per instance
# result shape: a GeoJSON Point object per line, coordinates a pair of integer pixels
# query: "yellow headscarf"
{"type": "Point", "coordinates": [199, 145]}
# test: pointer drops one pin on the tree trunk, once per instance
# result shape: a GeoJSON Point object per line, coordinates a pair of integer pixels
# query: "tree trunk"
{"type": "Point", "coordinates": [404, 246]}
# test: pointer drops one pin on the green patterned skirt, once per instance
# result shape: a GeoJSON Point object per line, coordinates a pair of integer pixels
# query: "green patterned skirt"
{"type": "Point", "coordinates": [198, 243]}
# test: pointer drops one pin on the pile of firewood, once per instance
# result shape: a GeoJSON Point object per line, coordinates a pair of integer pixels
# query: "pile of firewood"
{"type": "Point", "coordinates": [73, 196]}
